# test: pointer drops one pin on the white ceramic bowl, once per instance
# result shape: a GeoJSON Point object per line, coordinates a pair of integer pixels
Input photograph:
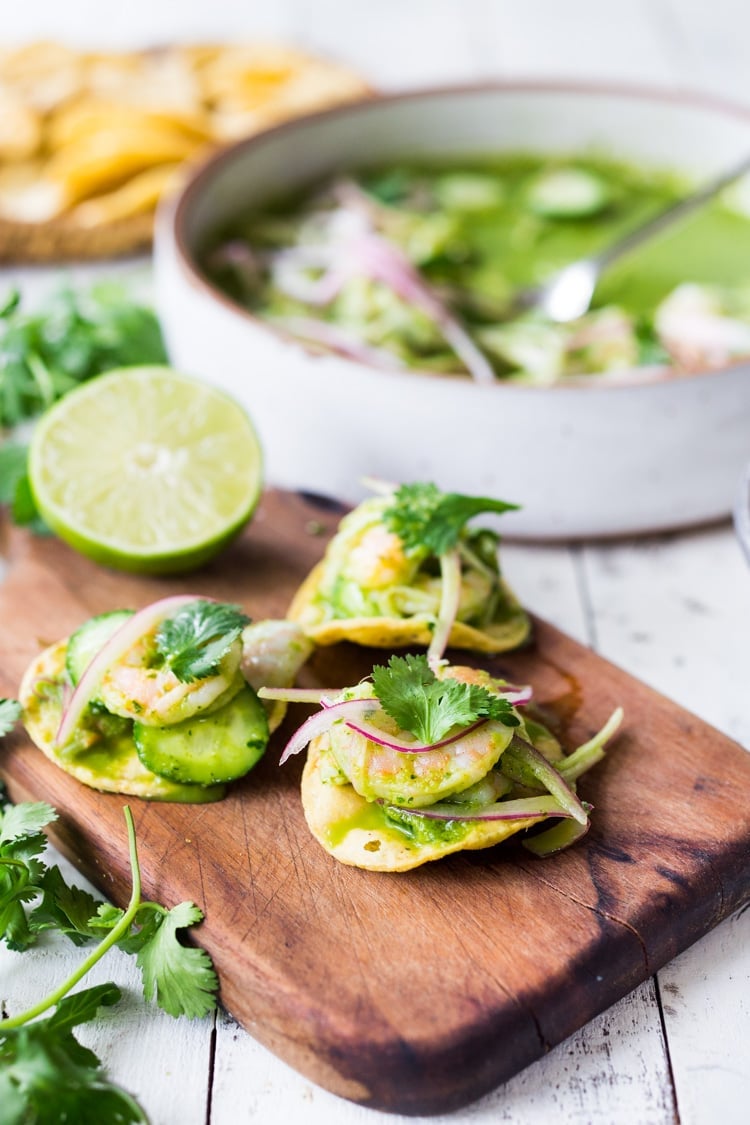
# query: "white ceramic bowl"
{"type": "Point", "coordinates": [596, 460]}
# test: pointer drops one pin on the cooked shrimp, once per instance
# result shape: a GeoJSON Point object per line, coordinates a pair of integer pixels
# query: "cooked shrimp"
{"type": "Point", "coordinates": [136, 688]}
{"type": "Point", "coordinates": [378, 560]}
{"type": "Point", "coordinates": [380, 772]}
{"type": "Point", "coordinates": [366, 553]}
{"type": "Point", "coordinates": [272, 654]}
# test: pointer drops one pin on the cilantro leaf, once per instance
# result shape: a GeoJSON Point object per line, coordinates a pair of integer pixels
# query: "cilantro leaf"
{"type": "Point", "coordinates": [15, 488]}
{"type": "Point", "coordinates": [47, 1076]}
{"type": "Point", "coordinates": [428, 707]}
{"type": "Point", "coordinates": [81, 1007]}
{"type": "Point", "coordinates": [181, 979]}
{"type": "Point", "coordinates": [10, 713]}
{"type": "Point", "coordinates": [72, 337]}
{"type": "Point", "coordinates": [64, 908]}
{"type": "Point", "coordinates": [106, 918]}
{"type": "Point", "coordinates": [21, 841]}
{"type": "Point", "coordinates": [424, 518]}
{"type": "Point", "coordinates": [193, 642]}
{"type": "Point", "coordinates": [26, 819]}
{"type": "Point", "coordinates": [13, 459]}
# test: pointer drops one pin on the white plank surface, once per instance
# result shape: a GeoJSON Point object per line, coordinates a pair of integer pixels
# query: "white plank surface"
{"type": "Point", "coordinates": [672, 610]}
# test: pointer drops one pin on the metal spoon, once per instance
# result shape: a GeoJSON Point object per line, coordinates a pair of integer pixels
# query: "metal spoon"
{"type": "Point", "coordinates": [567, 294]}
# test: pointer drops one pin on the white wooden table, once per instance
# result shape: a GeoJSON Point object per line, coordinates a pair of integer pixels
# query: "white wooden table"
{"type": "Point", "coordinates": [674, 610]}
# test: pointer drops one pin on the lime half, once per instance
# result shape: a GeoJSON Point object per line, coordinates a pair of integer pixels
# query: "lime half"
{"type": "Point", "coordinates": [146, 470]}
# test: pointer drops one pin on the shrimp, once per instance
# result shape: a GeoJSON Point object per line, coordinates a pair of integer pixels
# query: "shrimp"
{"type": "Point", "coordinates": [137, 688]}
{"type": "Point", "coordinates": [272, 654]}
{"type": "Point", "coordinates": [378, 560]}
{"type": "Point", "coordinates": [382, 773]}
{"type": "Point", "coordinates": [368, 555]}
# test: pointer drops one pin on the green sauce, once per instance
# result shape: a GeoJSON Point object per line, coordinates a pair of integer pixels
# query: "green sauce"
{"type": "Point", "coordinates": [477, 232]}
{"type": "Point", "coordinates": [408, 826]}
{"type": "Point", "coordinates": [369, 818]}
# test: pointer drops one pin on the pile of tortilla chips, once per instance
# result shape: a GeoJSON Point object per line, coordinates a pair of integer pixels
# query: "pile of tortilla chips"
{"type": "Point", "coordinates": [90, 141]}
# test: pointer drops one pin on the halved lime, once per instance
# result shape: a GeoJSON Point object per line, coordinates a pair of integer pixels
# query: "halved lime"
{"type": "Point", "coordinates": [146, 470]}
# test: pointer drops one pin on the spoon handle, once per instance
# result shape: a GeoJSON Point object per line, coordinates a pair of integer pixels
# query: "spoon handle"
{"type": "Point", "coordinates": [665, 218]}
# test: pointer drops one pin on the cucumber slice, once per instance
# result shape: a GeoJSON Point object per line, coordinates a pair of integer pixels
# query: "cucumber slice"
{"type": "Point", "coordinates": [207, 748]}
{"type": "Point", "coordinates": [87, 640]}
{"type": "Point", "coordinates": [567, 193]}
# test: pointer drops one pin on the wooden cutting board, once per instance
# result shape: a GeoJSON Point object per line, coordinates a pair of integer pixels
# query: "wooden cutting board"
{"type": "Point", "coordinates": [417, 992]}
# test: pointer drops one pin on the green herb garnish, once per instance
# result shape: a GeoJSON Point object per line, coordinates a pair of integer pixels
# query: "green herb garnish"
{"type": "Point", "coordinates": [428, 707]}
{"type": "Point", "coordinates": [45, 354]}
{"type": "Point", "coordinates": [15, 487]}
{"type": "Point", "coordinates": [47, 1076]}
{"type": "Point", "coordinates": [43, 1069]}
{"type": "Point", "coordinates": [424, 518]}
{"type": "Point", "coordinates": [193, 642]}
{"type": "Point", "coordinates": [10, 713]}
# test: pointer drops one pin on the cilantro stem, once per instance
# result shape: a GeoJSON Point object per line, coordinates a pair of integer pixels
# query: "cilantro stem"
{"type": "Point", "coordinates": [118, 931]}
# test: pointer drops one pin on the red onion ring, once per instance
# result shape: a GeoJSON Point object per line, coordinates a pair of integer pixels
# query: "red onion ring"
{"type": "Point", "coordinates": [352, 712]}
{"type": "Point", "coordinates": [524, 809]}
{"type": "Point", "coordinates": [117, 645]}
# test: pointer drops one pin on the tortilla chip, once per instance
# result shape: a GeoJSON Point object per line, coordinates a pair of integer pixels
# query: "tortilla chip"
{"type": "Point", "coordinates": [399, 632]}
{"type": "Point", "coordinates": [125, 772]}
{"type": "Point", "coordinates": [84, 127]}
{"type": "Point", "coordinates": [355, 831]}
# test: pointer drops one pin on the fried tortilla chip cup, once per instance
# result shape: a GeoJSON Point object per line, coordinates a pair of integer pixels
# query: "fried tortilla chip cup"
{"type": "Point", "coordinates": [509, 630]}
{"type": "Point", "coordinates": [404, 569]}
{"type": "Point", "coordinates": [112, 764]}
{"type": "Point", "coordinates": [357, 832]}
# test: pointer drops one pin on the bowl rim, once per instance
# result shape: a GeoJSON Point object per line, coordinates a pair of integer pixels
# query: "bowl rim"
{"type": "Point", "coordinates": [176, 216]}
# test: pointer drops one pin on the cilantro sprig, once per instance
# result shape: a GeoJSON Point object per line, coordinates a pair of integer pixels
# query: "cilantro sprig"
{"type": "Point", "coordinates": [10, 713]}
{"type": "Point", "coordinates": [73, 336]}
{"type": "Point", "coordinates": [424, 518]}
{"type": "Point", "coordinates": [428, 707]}
{"type": "Point", "coordinates": [47, 1076]}
{"type": "Point", "coordinates": [193, 641]}
{"type": "Point", "coordinates": [432, 522]}
{"type": "Point", "coordinates": [42, 1065]}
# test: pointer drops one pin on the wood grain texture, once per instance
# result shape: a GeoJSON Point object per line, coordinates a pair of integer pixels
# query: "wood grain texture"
{"type": "Point", "coordinates": [419, 992]}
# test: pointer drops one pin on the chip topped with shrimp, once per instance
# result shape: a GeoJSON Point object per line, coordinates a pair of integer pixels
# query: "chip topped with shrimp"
{"type": "Point", "coordinates": [91, 140]}
{"type": "Point", "coordinates": [420, 762]}
{"type": "Point", "coordinates": [161, 703]}
{"type": "Point", "coordinates": [405, 569]}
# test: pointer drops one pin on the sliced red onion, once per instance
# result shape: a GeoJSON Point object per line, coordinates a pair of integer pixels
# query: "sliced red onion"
{"type": "Point", "coordinates": [450, 596]}
{"type": "Point", "coordinates": [322, 721]}
{"type": "Point", "coordinates": [297, 695]}
{"type": "Point", "coordinates": [557, 838]}
{"type": "Point", "coordinates": [523, 809]}
{"type": "Point", "coordinates": [354, 712]}
{"type": "Point", "coordinates": [117, 645]}
{"type": "Point", "coordinates": [383, 261]}
{"type": "Point", "coordinates": [375, 734]}
{"type": "Point", "coordinates": [545, 774]}
{"type": "Point", "coordinates": [339, 340]}
{"type": "Point", "coordinates": [386, 262]}
{"type": "Point", "coordinates": [290, 273]}
{"type": "Point", "coordinates": [516, 694]}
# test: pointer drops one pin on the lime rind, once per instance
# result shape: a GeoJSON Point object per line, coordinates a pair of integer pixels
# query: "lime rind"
{"type": "Point", "coordinates": [146, 470]}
